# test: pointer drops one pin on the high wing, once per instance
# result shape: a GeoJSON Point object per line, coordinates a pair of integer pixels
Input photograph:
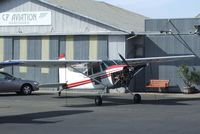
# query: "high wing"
{"type": "Point", "coordinates": [140, 61]}
{"type": "Point", "coordinates": [45, 63]}
{"type": "Point", "coordinates": [65, 63]}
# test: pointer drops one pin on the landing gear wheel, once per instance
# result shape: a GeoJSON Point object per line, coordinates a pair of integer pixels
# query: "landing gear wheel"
{"type": "Point", "coordinates": [137, 98]}
{"type": "Point", "coordinates": [98, 101]}
{"type": "Point", "coordinates": [26, 90]}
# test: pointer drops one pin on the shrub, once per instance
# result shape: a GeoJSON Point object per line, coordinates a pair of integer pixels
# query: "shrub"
{"type": "Point", "coordinates": [190, 76]}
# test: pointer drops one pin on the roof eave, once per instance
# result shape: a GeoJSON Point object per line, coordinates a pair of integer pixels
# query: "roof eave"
{"type": "Point", "coordinates": [87, 17]}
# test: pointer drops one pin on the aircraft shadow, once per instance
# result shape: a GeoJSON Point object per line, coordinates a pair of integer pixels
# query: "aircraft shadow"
{"type": "Point", "coordinates": [33, 118]}
{"type": "Point", "coordinates": [113, 101]}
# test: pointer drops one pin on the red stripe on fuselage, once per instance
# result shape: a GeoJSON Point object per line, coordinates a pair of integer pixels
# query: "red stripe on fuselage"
{"type": "Point", "coordinates": [108, 74]}
{"type": "Point", "coordinates": [115, 66]}
{"type": "Point", "coordinates": [80, 83]}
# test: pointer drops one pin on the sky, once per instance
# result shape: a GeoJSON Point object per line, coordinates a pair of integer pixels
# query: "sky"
{"type": "Point", "coordinates": [160, 8]}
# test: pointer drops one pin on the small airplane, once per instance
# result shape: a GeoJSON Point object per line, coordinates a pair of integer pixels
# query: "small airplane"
{"type": "Point", "coordinates": [96, 74]}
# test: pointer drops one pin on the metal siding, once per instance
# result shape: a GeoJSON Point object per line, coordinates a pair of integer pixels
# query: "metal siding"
{"type": "Point", "coordinates": [184, 26]}
{"type": "Point", "coordinates": [172, 45]}
{"type": "Point", "coordinates": [62, 22]}
{"type": "Point", "coordinates": [54, 50]}
{"type": "Point", "coordinates": [104, 13]}
{"type": "Point", "coordinates": [81, 47]}
{"type": "Point", "coordinates": [8, 52]}
{"type": "Point", "coordinates": [52, 75]}
{"type": "Point", "coordinates": [23, 53]}
{"type": "Point", "coordinates": [45, 52]}
{"type": "Point", "coordinates": [102, 52]}
{"type": "Point", "coordinates": [93, 47]}
{"type": "Point", "coordinates": [62, 45]}
{"type": "Point", "coordinates": [69, 47]}
{"type": "Point", "coordinates": [1, 50]}
{"type": "Point", "coordinates": [34, 52]}
{"type": "Point", "coordinates": [132, 45]}
{"type": "Point", "coordinates": [116, 44]}
{"type": "Point", "coordinates": [16, 44]}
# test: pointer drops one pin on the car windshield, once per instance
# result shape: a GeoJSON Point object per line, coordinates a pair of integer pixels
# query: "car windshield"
{"type": "Point", "coordinates": [5, 76]}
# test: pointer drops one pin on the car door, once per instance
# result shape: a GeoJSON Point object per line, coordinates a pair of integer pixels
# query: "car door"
{"type": "Point", "coordinates": [7, 83]}
{"type": "Point", "coordinates": [3, 86]}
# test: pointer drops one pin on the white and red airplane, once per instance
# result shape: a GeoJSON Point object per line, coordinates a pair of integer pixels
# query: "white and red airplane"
{"type": "Point", "coordinates": [95, 74]}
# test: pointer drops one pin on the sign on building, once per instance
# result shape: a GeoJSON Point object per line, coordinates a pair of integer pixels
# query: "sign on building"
{"type": "Point", "coordinates": [25, 18]}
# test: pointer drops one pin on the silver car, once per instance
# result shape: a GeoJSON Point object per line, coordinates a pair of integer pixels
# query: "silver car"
{"type": "Point", "coordinates": [9, 83]}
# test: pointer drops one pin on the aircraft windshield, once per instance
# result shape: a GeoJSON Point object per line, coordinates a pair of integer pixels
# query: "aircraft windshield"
{"type": "Point", "coordinates": [109, 63]}
{"type": "Point", "coordinates": [119, 62]}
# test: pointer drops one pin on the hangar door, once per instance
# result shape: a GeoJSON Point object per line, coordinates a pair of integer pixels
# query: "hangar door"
{"type": "Point", "coordinates": [84, 47]}
{"type": "Point", "coordinates": [36, 47]}
{"type": "Point", "coordinates": [50, 47]}
{"type": "Point", "coordinates": [6, 51]}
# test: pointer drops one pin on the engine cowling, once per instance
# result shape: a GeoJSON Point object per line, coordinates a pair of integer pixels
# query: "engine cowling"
{"type": "Point", "coordinates": [121, 78]}
{"type": "Point", "coordinates": [126, 76]}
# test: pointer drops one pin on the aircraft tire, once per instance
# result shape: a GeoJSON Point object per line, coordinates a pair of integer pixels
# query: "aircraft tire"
{"type": "Point", "coordinates": [98, 101]}
{"type": "Point", "coordinates": [137, 98]}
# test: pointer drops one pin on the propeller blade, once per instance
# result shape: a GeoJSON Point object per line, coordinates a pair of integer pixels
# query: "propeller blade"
{"type": "Point", "coordinates": [123, 59]}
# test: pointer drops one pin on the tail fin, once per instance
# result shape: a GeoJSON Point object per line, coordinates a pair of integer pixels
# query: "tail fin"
{"type": "Point", "coordinates": [62, 71]}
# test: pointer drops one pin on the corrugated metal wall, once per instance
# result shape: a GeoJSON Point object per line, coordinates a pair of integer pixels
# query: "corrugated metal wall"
{"type": "Point", "coordinates": [135, 49]}
{"type": "Point", "coordinates": [49, 47]}
{"type": "Point", "coordinates": [76, 36]}
{"type": "Point", "coordinates": [116, 45]}
{"type": "Point", "coordinates": [184, 41]}
{"type": "Point", "coordinates": [63, 23]}
{"type": "Point", "coordinates": [6, 51]}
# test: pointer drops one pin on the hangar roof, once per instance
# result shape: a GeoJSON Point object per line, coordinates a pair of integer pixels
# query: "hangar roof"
{"type": "Point", "coordinates": [102, 12]}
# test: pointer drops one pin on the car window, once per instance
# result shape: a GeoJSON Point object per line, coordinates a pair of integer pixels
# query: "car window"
{"type": "Point", "coordinates": [5, 76]}
{"type": "Point", "coordinates": [2, 76]}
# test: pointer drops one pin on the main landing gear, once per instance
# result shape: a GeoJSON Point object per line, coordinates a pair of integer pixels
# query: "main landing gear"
{"type": "Point", "coordinates": [98, 101]}
{"type": "Point", "coordinates": [136, 99]}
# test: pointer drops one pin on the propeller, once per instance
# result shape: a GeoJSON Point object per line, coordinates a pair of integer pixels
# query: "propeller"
{"type": "Point", "coordinates": [124, 60]}
{"type": "Point", "coordinates": [127, 71]}
{"type": "Point", "coordinates": [130, 71]}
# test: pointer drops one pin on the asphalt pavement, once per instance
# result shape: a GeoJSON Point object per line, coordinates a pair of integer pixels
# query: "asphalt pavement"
{"type": "Point", "coordinates": [46, 113]}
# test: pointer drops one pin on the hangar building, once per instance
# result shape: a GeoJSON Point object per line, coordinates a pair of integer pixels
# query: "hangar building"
{"type": "Point", "coordinates": [82, 29]}
{"type": "Point", "coordinates": [87, 29]}
{"type": "Point", "coordinates": [172, 37]}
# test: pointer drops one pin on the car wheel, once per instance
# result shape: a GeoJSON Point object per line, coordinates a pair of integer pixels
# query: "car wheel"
{"type": "Point", "coordinates": [26, 89]}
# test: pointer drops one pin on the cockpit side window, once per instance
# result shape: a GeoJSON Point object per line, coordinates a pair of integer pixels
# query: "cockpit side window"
{"type": "Point", "coordinates": [96, 69]}
{"type": "Point", "coordinates": [103, 66]}
{"type": "Point", "coordinates": [90, 71]}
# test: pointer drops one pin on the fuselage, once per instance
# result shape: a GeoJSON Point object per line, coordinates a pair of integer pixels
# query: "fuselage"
{"type": "Point", "coordinates": [99, 80]}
